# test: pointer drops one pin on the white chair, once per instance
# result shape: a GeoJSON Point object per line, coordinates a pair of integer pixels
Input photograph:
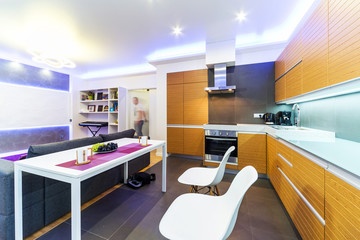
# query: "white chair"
{"type": "Point", "coordinates": [206, 177]}
{"type": "Point", "coordinates": [199, 216]}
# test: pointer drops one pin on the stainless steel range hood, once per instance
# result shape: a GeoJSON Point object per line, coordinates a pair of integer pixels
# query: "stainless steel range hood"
{"type": "Point", "coordinates": [220, 81]}
{"type": "Point", "coordinates": [220, 55]}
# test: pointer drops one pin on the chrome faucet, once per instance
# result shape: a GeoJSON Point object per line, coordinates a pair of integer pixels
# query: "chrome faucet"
{"type": "Point", "coordinates": [297, 119]}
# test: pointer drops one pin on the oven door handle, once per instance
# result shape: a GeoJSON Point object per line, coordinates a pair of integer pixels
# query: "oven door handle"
{"type": "Point", "coordinates": [221, 139]}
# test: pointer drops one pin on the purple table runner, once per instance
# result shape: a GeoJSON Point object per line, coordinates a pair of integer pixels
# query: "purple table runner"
{"type": "Point", "coordinates": [99, 159]}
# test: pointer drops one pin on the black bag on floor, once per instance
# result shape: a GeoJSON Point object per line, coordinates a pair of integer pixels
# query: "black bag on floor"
{"type": "Point", "coordinates": [140, 179]}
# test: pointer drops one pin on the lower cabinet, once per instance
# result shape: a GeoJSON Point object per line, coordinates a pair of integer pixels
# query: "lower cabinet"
{"type": "Point", "coordinates": [297, 180]}
{"type": "Point", "coordinates": [342, 209]}
{"type": "Point", "coordinates": [194, 141]}
{"type": "Point", "coordinates": [252, 151]}
{"type": "Point", "coordinates": [188, 141]}
{"type": "Point", "coordinates": [175, 140]}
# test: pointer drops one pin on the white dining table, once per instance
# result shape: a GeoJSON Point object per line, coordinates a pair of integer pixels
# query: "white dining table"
{"type": "Point", "coordinates": [46, 166]}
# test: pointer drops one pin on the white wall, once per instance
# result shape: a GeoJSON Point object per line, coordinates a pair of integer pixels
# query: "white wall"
{"type": "Point", "coordinates": [24, 106]}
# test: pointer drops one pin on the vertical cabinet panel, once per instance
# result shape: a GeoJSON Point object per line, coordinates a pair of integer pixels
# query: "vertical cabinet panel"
{"type": "Point", "coordinates": [294, 82]}
{"type": "Point", "coordinates": [175, 140]}
{"type": "Point", "coordinates": [175, 104]}
{"type": "Point", "coordinates": [342, 211]}
{"type": "Point", "coordinates": [271, 156]}
{"type": "Point", "coordinates": [315, 50]}
{"type": "Point", "coordinates": [280, 89]}
{"type": "Point", "coordinates": [175, 78]}
{"type": "Point", "coordinates": [344, 44]}
{"type": "Point", "coordinates": [279, 66]}
{"type": "Point", "coordinates": [252, 151]}
{"type": "Point", "coordinates": [196, 76]}
{"type": "Point", "coordinates": [309, 177]}
{"type": "Point", "coordinates": [195, 104]}
{"type": "Point", "coordinates": [194, 141]}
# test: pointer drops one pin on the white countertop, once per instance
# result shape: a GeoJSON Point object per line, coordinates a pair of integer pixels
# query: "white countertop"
{"type": "Point", "coordinates": [238, 127]}
{"type": "Point", "coordinates": [336, 152]}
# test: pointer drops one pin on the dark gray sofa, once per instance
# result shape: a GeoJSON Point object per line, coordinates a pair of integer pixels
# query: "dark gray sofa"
{"type": "Point", "coordinates": [45, 200]}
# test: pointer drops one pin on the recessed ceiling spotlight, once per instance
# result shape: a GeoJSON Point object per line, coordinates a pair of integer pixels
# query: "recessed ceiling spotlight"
{"type": "Point", "coordinates": [241, 16]}
{"type": "Point", "coordinates": [177, 30]}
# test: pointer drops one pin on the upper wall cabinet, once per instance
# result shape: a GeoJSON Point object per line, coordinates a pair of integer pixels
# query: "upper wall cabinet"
{"type": "Point", "coordinates": [196, 76]}
{"type": "Point", "coordinates": [195, 104]}
{"type": "Point", "coordinates": [329, 47]}
{"type": "Point", "coordinates": [175, 104]}
{"type": "Point", "coordinates": [344, 40]}
{"type": "Point", "coordinates": [187, 101]}
{"type": "Point", "coordinates": [175, 78]}
{"type": "Point", "coordinates": [280, 65]}
{"type": "Point", "coordinates": [315, 50]}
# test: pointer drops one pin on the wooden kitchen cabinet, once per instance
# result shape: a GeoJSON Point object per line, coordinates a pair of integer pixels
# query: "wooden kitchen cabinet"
{"type": "Point", "coordinates": [293, 175]}
{"type": "Point", "coordinates": [294, 82]}
{"type": "Point", "coordinates": [270, 155]}
{"type": "Point", "coordinates": [309, 178]}
{"type": "Point", "coordinates": [196, 76]}
{"type": "Point", "coordinates": [175, 104]}
{"type": "Point", "coordinates": [280, 89]}
{"type": "Point", "coordinates": [252, 151]}
{"type": "Point", "coordinates": [280, 66]}
{"type": "Point", "coordinates": [315, 52]}
{"type": "Point", "coordinates": [175, 140]}
{"type": "Point", "coordinates": [342, 211]}
{"type": "Point", "coordinates": [194, 141]}
{"type": "Point", "coordinates": [195, 104]}
{"type": "Point", "coordinates": [175, 78]}
{"type": "Point", "coordinates": [344, 44]}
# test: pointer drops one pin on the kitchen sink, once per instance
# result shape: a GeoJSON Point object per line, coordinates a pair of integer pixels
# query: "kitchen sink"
{"type": "Point", "coordinates": [301, 133]}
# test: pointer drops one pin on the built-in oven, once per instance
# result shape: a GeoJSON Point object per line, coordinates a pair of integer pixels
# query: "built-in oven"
{"type": "Point", "coordinates": [217, 142]}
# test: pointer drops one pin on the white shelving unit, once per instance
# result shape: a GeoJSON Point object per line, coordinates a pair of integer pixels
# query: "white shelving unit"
{"type": "Point", "coordinates": [94, 101]}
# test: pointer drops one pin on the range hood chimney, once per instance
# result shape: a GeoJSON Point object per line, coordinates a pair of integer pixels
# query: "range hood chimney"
{"type": "Point", "coordinates": [220, 55]}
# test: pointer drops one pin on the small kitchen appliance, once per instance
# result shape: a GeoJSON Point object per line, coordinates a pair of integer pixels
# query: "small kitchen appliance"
{"type": "Point", "coordinates": [283, 118]}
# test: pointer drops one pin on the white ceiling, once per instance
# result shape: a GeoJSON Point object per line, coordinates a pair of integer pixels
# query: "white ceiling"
{"type": "Point", "coordinates": [100, 35]}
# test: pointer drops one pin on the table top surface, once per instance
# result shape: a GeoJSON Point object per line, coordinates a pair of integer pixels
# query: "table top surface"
{"type": "Point", "coordinates": [47, 163]}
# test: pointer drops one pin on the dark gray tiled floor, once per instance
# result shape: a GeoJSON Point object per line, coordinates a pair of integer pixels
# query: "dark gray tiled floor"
{"type": "Point", "coordinates": [135, 214]}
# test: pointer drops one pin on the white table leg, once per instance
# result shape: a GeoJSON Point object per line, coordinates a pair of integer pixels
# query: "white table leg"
{"type": "Point", "coordinates": [126, 172]}
{"type": "Point", "coordinates": [76, 210]}
{"type": "Point", "coordinates": [18, 203]}
{"type": "Point", "coordinates": [163, 168]}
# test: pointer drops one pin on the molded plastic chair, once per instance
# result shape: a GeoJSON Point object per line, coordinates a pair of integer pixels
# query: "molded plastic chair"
{"type": "Point", "coordinates": [206, 177]}
{"type": "Point", "coordinates": [199, 216]}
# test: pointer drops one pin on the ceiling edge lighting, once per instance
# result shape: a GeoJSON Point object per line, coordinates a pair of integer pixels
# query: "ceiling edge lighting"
{"type": "Point", "coordinates": [189, 50]}
{"type": "Point", "coordinates": [123, 71]}
{"type": "Point", "coordinates": [51, 59]}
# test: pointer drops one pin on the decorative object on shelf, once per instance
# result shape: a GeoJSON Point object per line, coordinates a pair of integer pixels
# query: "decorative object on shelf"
{"type": "Point", "coordinates": [99, 96]}
{"type": "Point", "coordinates": [83, 97]}
{"type": "Point", "coordinates": [105, 96]}
{"type": "Point", "coordinates": [91, 108]}
{"type": "Point", "coordinates": [90, 96]}
{"type": "Point", "coordinates": [116, 107]}
{"type": "Point", "coordinates": [106, 108]}
{"type": "Point", "coordinates": [111, 109]}
{"type": "Point", "coordinates": [82, 156]}
{"type": "Point", "coordinates": [105, 147]}
{"type": "Point", "coordinates": [100, 108]}
{"type": "Point", "coordinates": [143, 140]}
{"type": "Point", "coordinates": [116, 122]}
